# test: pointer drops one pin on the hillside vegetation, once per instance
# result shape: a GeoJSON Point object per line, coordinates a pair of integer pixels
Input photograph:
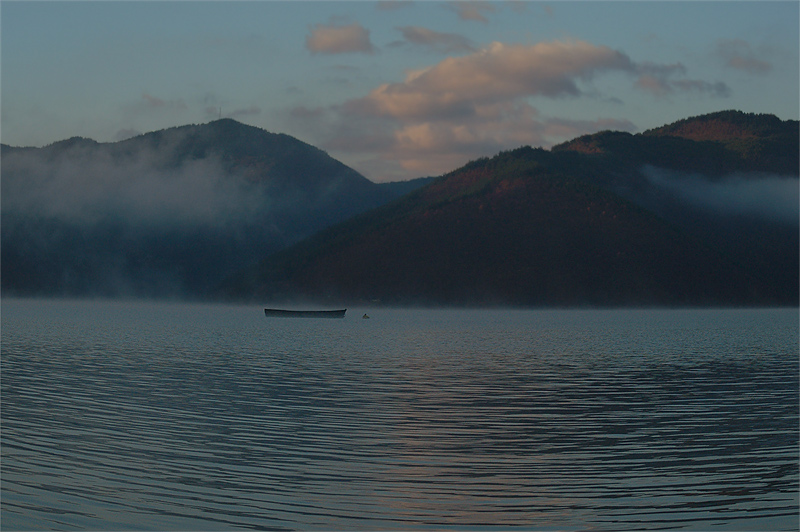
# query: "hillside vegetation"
{"type": "Point", "coordinates": [169, 213]}
{"type": "Point", "coordinates": [700, 212]}
{"type": "Point", "coordinates": [591, 222]}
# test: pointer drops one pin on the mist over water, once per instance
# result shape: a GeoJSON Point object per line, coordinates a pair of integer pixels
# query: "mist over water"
{"type": "Point", "coordinates": [167, 417]}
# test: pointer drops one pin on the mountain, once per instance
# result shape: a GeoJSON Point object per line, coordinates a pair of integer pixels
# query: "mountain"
{"type": "Point", "coordinates": [168, 213]}
{"type": "Point", "coordinates": [728, 178]}
{"type": "Point", "coordinates": [682, 215]}
{"type": "Point", "coordinates": [714, 144]}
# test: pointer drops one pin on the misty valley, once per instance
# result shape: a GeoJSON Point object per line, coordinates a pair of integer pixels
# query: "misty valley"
{"type": "Point", "coordinates": [400, 266]}
{"type": "Point", "coordinates": [200, 413]}
{"type": "Point", "coordinates": [703, 212]}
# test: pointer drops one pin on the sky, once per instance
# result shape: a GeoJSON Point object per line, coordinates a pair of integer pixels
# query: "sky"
{"type": "Point", "coordinates": [394, 89]}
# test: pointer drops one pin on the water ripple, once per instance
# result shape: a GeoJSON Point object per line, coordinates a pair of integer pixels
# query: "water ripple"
{"type": "Point", "coordinates": [413, 420]}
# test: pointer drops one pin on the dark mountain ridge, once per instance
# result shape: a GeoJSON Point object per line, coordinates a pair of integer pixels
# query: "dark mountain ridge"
{"type": "Point", "coordinates": [582, 224]}
{"type": "Point", "coordinates": [168, 213]}
{"type": "Point", "coordinates": [699, 212]}
{"type": "Point", "coordinates": [728, 178]}
{"type": "Point", "coordinates": [715, 144]}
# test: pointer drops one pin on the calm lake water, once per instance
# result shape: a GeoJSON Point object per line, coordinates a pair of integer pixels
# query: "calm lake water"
{"type": "Point", "coordinates": [143, 416]}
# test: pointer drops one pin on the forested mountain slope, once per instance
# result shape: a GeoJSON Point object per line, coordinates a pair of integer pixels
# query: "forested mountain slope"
{"type": "Point", "coordinates": [606, 220]}
{"type": "Point", "coordinates": [168, 213]}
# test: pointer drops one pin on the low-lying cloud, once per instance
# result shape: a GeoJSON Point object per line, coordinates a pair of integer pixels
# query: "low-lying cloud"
{"type": "Point", "coordinates": [87, 187]}
{"type": "Point", "coordinates": [770, 197]}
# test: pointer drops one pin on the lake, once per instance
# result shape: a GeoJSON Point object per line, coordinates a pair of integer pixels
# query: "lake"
{"type": "Point", "coordinates": [169, 416]}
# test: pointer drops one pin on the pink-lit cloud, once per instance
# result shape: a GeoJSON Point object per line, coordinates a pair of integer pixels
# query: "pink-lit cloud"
{"type": "Point", "coordinates": [433, 146]}
{"type": "Point", "coordinates": [339, 39]}
{"type": "Point", "coordinates": [660, 80]}
{"type": "Point", "coordinates": [445, 145]}
{"type": "Point", "coordinates": [500, 72]}
{"type": "Point", "coordinates": [738, 54]}
{"type": "Point", "coordinates": [477, 104]}
{"type": "Point", "coordinates": [437, 41]}
{"type": "Point", "coordinates": [472, 10]}
{"type": "Point", "coordinates": [149, 101]}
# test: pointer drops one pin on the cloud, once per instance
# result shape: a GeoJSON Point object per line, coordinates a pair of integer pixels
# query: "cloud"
{"type": "Point", "coordinates": [472, 10]}
{"type": "Point", "coordinates": [434, 146]}
{"type": "Point", "coordinates": [446, 145]}
{"type": "Point", "coordinates": [440, 42]}
{"type": "Point", "coordinates": [661, 87]}
{"type": "Point", "coordinates": [657, 80]}
{"type": "Point", "coordinates": [770, 197]}
{"type": "Point", "coordinates": [336, 39]}
{"type": "Point", "coordinates": [653, 84]}
{"type": "Point", "coordinates": [463, 107]}
{"type": "Point", "coordinates": [152, 102]}
{"type": "Point", "coordinates": [738, 54]}
{"type": "Point", "coordinates": [456, 85]}
{"type": "Point", "coordinates": [390, 5]}
{"type": "Point", "coordinates": [718, 88]}
{"type": "Point", "coordinates": [141, 187]}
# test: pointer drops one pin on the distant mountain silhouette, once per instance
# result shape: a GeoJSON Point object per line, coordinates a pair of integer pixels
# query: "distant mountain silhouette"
{"type": "Point", "coordinates": [701, 212]}
{"type": "Point", "coordinates": [168, 213]}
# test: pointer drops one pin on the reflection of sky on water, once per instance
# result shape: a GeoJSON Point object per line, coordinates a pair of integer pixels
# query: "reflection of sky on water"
{"type": "Point", "coordinates": [181, 416]}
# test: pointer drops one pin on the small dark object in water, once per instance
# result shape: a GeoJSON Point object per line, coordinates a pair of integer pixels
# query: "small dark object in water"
{"type": "Point", "coordinates": [277, 313]}
{"type": "Point", "coordinates": [364, 317]}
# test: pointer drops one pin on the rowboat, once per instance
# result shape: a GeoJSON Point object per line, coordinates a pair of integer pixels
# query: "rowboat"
{"type": "Point", "coordinates": [279, 313]}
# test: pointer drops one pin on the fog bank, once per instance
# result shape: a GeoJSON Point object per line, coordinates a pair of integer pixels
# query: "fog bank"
{"type": "Point", "coordinates": [86, 189]}
{"type": "Point", "coordinates": [770, 197]}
